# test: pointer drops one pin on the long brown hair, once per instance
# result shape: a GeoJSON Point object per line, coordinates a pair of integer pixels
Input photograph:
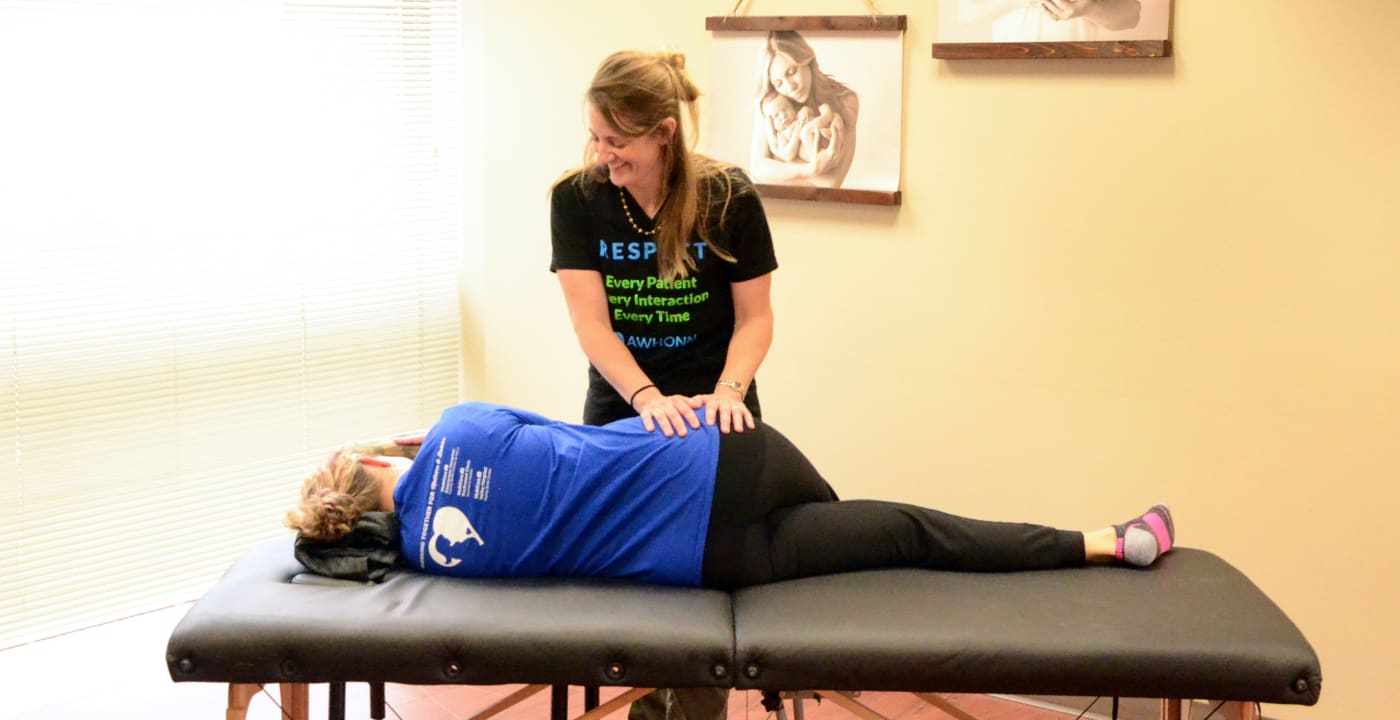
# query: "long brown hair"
{"type": "Point", "coordinates": [635, 92]}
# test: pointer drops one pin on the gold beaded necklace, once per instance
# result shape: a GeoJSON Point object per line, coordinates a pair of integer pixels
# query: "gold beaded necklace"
{"type": "Point", "coordinates": [628, 212]}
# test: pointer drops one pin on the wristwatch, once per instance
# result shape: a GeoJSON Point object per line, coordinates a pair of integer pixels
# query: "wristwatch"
{"type": "Point", "coordinates": [732, 384]}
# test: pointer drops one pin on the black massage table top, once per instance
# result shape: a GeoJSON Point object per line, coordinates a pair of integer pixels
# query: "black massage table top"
{"type": "Point", "coordinates": [1190, 627]}
{"type": "Point", "coordinates": [267, 620]}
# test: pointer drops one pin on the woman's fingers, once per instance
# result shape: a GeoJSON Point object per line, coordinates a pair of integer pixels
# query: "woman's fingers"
{"type": "Point", "coordinates": [737, 418]}
{"type": "Point", "coordinates": [730, 414]}
{"type": "Point", "coordinates": [673, 415]}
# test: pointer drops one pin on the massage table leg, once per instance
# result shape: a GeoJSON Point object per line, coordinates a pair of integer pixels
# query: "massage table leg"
{"type": "Point", "coordinates": [1240, 711]}
{"type": "Point", "coordinates": [1237, 710]}
{"type": "Point", "coordinates": [296, 700]}
{"type": "Point", "coordinates": [559, 702]}
{"type": "Point", "coordinates": [239, 695]}
{"type": "Point", "coordinates": [376, 701]}
{"type": "Point", "coordinates": [559, 706]}
{"type": "Point", "coordinates": [335, 701]}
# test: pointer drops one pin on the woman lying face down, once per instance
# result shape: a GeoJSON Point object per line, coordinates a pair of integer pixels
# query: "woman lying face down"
{"type": "Point", "coordinates": [496, 491]}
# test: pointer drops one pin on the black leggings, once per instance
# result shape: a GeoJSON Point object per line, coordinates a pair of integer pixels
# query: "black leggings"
{"type": "Point", "coordinates": [775, 518]}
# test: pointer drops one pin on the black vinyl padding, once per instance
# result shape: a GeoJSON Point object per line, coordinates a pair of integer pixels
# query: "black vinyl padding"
{"type": "Point", "coordinates": [262, 623]}
{"type": "Point", "coordinates": [1191, 627]}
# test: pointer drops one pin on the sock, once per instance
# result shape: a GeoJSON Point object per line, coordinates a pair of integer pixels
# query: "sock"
{"type": "Point", "coordinates": [1145, 538]}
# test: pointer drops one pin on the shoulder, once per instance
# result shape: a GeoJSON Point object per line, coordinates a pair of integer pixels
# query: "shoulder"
{"type": "Point", "coordinates": [724, 182]}
{"type": "Point", "coordinates": [577, 186]}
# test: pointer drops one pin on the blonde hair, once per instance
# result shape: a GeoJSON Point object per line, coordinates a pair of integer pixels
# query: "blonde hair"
{"type": "Point", "coordinates": [333, 498]}
{"type": "Point", "coordinates": [635, 92]}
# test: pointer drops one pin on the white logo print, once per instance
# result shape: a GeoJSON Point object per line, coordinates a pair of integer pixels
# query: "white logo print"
{"type": "Point", "coordinates": [452, 524]}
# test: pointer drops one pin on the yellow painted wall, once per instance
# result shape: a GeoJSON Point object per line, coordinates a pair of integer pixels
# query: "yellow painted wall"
{"type": "Point", "coordinates": [1112, 283]}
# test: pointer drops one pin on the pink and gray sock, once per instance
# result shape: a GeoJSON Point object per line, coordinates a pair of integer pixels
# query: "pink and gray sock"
{"type": "Point", "coordinates": [1145, 538]}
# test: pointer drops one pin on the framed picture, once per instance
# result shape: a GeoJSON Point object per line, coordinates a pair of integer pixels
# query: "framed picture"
{"type": "Point", "coordinates": [811, 107]}
{"type": "Point", "coordinates": [1052, 28]}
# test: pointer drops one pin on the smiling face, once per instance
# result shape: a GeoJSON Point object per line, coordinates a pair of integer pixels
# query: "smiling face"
{"type": "Point", "coordinates": [791, 78]}
{"type": "Point", "coordinates": [632, 161]}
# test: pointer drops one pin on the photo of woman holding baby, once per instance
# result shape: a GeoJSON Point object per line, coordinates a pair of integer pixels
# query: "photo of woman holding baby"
{"type": "Point", "coordinates": [804, 129]}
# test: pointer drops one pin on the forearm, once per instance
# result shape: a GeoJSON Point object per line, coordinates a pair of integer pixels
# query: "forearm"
{"type": "Point", "coordinates": [747, 348]}
{"type": "Point", "coordinates": [382, 446]}
{"type": "Point", "coordinates": [612, 360]}
{"type": "Point", "coordinates": [588, 313]}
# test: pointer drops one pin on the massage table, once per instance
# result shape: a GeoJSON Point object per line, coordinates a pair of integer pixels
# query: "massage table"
{"type": "Point", "coordinates": [1192, 626]}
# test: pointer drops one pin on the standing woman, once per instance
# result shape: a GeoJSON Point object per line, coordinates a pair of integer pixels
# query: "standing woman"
{"type": "Point", "coordinates": [664, 257]}
{"type": "Point", "coordinates": [666, 261]}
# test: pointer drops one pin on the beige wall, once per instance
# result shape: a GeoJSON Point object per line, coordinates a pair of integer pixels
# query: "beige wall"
{"type": "Point", "coordinates": [1111, 283]}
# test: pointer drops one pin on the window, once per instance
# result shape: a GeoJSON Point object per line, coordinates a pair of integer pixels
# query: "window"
{"type": "Point", "coordinates": [231, 238]}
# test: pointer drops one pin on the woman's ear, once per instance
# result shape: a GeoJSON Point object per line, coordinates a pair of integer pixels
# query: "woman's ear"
{"type": "Point", "coordinates": [667, 129]}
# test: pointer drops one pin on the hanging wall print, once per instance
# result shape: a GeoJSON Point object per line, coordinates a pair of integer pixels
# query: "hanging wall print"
{"type": "Point", "coordinates": [811, 107]}
{"type": "Point", "coordinates": [1052, 28]}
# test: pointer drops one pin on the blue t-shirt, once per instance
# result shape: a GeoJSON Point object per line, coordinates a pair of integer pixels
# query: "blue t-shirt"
{"type": "Point", "coordinates": [501, 492]}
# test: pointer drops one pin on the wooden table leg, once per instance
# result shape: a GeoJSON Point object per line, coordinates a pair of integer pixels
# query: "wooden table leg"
{"type": "Point", "coordinates": [239, 695]}
{"type": "Point", "coordinates": [296, 700]}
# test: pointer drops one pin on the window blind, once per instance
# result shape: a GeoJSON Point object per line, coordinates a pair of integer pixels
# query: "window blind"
{"type": "Point", "coordinates": [231, 234]}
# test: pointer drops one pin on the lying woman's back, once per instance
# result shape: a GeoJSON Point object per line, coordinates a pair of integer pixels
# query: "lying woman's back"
{"type": "Point", "coordinates": [502, 492]}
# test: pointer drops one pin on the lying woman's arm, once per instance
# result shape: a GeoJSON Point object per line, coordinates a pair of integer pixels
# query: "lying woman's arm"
{"type": "Point", "coordinates": [404, 445]}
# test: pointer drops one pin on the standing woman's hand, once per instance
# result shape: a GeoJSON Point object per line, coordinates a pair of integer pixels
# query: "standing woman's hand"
{"type": "Point", "coordinates": [671, 413]}
{"type": "Point", "coordinates": [726, 405]}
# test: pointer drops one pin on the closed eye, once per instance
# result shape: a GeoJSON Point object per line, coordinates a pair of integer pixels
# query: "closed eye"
{"type": "Point", "coordinates": [612, 141]}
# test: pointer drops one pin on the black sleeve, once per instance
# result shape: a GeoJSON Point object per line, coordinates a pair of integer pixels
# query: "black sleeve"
{"type": "Point", "coordinates": [571, 228]}
{"type": "Point", "coordinates": [747, 235]}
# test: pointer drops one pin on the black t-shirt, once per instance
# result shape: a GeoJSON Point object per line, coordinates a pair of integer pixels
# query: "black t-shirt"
{"type": "Point", "coordinates": [678, 331]}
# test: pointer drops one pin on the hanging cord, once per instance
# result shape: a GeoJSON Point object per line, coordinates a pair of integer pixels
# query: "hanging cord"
{"type": "Point", "coordinates": [288, 716]}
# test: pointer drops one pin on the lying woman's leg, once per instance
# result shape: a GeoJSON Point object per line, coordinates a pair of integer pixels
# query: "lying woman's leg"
{"type": "Point", "coordinates": [775, 518]}
{"type": "Point", "coordinates": [759, 472]}
{"type": "Point", "coordinates": [822, 538]}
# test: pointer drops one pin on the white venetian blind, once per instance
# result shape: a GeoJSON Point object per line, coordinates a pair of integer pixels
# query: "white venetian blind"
{"type": "Point", "coordinates": [231, 233]}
